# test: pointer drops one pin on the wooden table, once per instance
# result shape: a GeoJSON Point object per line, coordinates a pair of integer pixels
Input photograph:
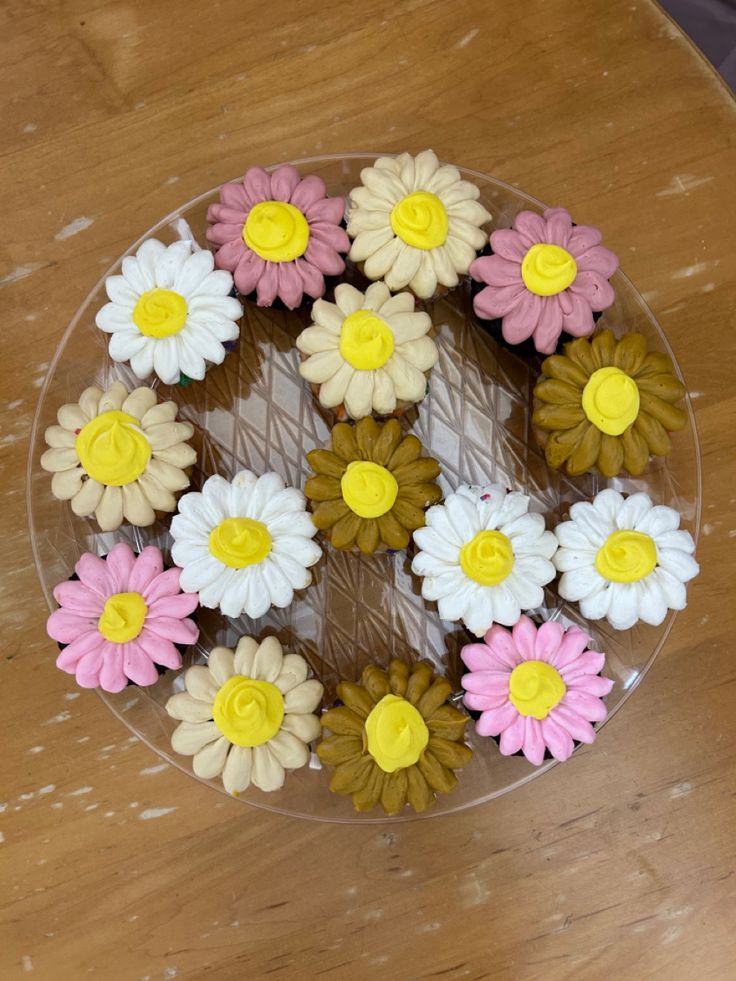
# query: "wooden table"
{"type": "Point", "coordinates": [620, 863]}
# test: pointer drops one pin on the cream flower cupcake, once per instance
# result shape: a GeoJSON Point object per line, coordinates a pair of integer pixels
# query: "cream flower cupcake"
{"type": "Point", "coordinates": [624, 559]}
{"type": "Point", "coordinates": [247, 715]}
{"type": "Point", "coordinates": [484, 559]}
{"type": "Point", "coordinates": [244, 545]}
{"type": "Point", "coordinates": [170, 311]}
{"type": "Point", "coordinates": [367, 352]}
{"type": "Point", "coordinates": [119, 455]}
{"type": "Point", "coordinates": [415, 223]}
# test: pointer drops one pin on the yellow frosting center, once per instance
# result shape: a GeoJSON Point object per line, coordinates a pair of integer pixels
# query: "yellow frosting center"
{"type": "Point", "coordinates": [160, 313]}
{"type": "Point", "coordinates": [276, 231]}
{"type": "Point", "coordinates": [366, 341]}
{"type": "Point", "coordinates": [368, 489]}
{"type": "Point", "coordinates": [488, 558]}
{"type": "Point", "coordinates": [112, 448]}
{"type": "Point", "coordinates": [248, 712]}
{"type": "Point", "coordinates": [535, 687]}
{"type": "Point", "coordinates": [611, 400]}
{"type": "Point", "coordinates": [238, 542]}
{"type": "Point", "coordinates": [626, 556]}
{"type": "Point", "coordinates": [122, 617]}
{"type": "Point", "coordinates": [548, 269]}
{"type": "Point", "coordinates": [420, 220]}
{"type": "Point", "coordinates": [397, 733]}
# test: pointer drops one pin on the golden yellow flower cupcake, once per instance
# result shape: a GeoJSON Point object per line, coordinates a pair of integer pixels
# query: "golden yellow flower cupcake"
{"type": "Point", "coordinates": [119, 455]}
{"type": "Point", "coordinates": [607, 404]}
{"type": "Point", "coordinates": [394, 740]}
{"type": "Point", "coordinates": [372, 488]}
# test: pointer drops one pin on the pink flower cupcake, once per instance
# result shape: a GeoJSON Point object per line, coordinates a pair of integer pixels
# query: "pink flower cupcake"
{"type": "Point", "coordinates": [121, 618]}
{"type": "Point", "coordinates": [539, 689]}
{"type": "Point", "coordinates": [279, 235]}
{"type": "Point", "coordinates": [545, 276]}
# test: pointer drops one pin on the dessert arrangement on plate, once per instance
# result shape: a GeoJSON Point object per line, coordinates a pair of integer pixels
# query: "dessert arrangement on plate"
{"type": "Point", "coordinates": [517, 591]}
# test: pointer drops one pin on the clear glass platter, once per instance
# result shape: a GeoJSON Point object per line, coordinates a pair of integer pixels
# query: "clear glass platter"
{"type": "Point", "coordinates": [254, 411]}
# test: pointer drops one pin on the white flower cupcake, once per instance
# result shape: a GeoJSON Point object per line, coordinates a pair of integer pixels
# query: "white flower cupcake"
{"type": "Point", "coordinates": [244, 546]}
{"type": "Point", "coordinates": [367, 351]}
{"type": "Point", "coordinates": [247, 716]}
{"type": "Point", "coordinates": [624, 559]}
{"type": "Point", "coordinates": [170, 311]}
{"type": "Point", "coordinates": [119, 455]}
{"type": "Point", "coordinates": [415, 223]}
{"type": "Point", "coordinates": [484, 559]}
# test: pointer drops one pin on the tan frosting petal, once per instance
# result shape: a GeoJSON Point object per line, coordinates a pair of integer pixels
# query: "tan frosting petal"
{"type": "Point", "coordinates": [167, 434]}
{"type": "Point", "coordinates": [245, 654]}
{"type": "Point", "coordinates": [139, 402]}
{"type": "Point", "coordinates": [304, 698]}
{"type": "Point", "coordinates": [462, 253]}
{"type": "Point", "coordinates": [62, 458]}
{"type": "Point", "coordinates": [323, 365]}
{"type": "Point", "coordinates": [461, 191]}
{"type": "Point", "coordinates": [221, 662]}
{"type": "Point", "coordinates": [200, 684]}
{"type": "Point", "coordinates": [472, 212]}
{"type": "Point", "coordinates": [136, 507]}
{"type": "Point", "coordinates": [113, 398]}
{"type": "Point", "coordinates": [268, 660]}
{"type": "Point", "coordinates": [171, 477]}
{"type": "Point", "coordinates": [464, 230]}
{"type": "Point", "coordinates": [376, 296]}
{"type": "Point", "coordinates": [364, 198]}
{"type": "Point", "coordinates": [210, 760]}
{"type": "Point", "coordinates": [443, 267]}
{"type": "Point", "coordinates": [89, 401]}
{"type": "Point", "coordinates": [267, 773]}
{"type": "Point", "coordinates": [189, 737]}
{"type": "Point", "coordinates": [304, 727]}
{"type": "Point", "coordinates": [88, 497]}
{"type": "Point", "coordinates": [409, 382]}
{"type": "Point", "coordinates": [383, 183]}
{"type": "Point", "coordinates": [316, 339]}
{"type": "Point", "coordinates": [328, 315]}
{"type": "Point", "coordinates": [160, 498]}
{"type": "Point", "coordinates": [404, 265]}
{"type": "Point", "coordinates": [71, 417]}
{"type": "Point", "coordinates": [358, 396]}
{"type": "Point", "coordinates": [332, 392]}
{"type": "Point", "coordinates": [237, 771]}
{"type": "Point", "coordinates": [290, 751]}
{"type": "Point", "coordinates": [182, 455]}
{"type": "Point", "coordinates": [400, 303]}
{"type": "Point", "coordinates": [66, 483]}
{"type": "Point", "coordinates": [424, 280]}
{"type": "Point", "coordinates": [367, 242]}
{"type": "Point", "coordinates": [421, 353]}
{"type": "Point", "coordinates": [381, 264]}
{"type": "Point", "coordinates": [158, 415]}
{"type": "Point", "coordinates": [362, 220]}
{"type": "Point", "coordinates": [188, 708]}
{"type": "Point", "coordinates": [408, 326]}
{"type": "Point", "coordinates": [59, 436]}
{"type": "Point", "coordinates": [109, 512]}
{"type": "Point", "coordinates": [445, 176]}
{"type": "Point", "coordinates": [293, 672]}
{"type": "Point", "coordinates": [348, 298]}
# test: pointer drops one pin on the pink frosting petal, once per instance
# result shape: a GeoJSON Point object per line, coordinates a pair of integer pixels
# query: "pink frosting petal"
{"type": "Point", "coordinates": [112, 675]}
{"type": "Point", "coordinates": [512, 738]}
{"type": "Point", "coordinates": [138, 666]}
{"type": "Point", "coordinates": [478, 657]}
{"type": "Point", "coordinates": [525, 635]}
{"type": "Point", "coordinates": [93, 573]}
{"type": "Point", "coordinates": [65, 626]}
{"type": "Point", "coordinates": [167, 584]}
{"type": "Point", "coordinates": [70, 657]}
{"type": "Point", "coordinates": [179, 606]}
{"type": "Point", "coordinates": [308, 192]}
{"type": "Point", "coordinates": [325, 258]}
{"type": "Point", "coordinates": [590, 684]}
{"type": "Point", "coordinates": [577, 316]}
{"type": "Point", "coordinates": [508, 244]}
{"type": "Point", "coordinates": [314, 281]}
{"type": "Point", "coordinates": [221, 234]}
{"type": "Point", "coordinates": [120, 560]}
{"type": "Point", "coordinates": [248, 272]}
{"type": "Point", "coordinates": [587, 663]}
{"type": "Point", "coordinates": [330, 210]}
{"type": "Point", "coordinates": [532, 227]}
{"type": "Point", "coordinates": [495, 721]}
{"type": "Point", "coordinates": [593, 288]}
{"type": "Point", "coordinates": [549, 638]}
{"type": "Point", "coordinates": [257, 186]}
{"type": "Point", "coordinates": [549, 327]}
{"type": "Point", "coordinates": [501, 644]}
{"type": "Point", "coordinates": [533, 746]}
{"type": "Point", "coordinates": [559, 226]}
{"type": "Point", "coordinates": [221, 214]}
{"type": "Point", "coordinates": [559, 741]}
{"type": "Point", "coordinates": [148, 565]}
{"type": "Point", "coordinates": [582, 238]}
{"type": "Point", "coordinates": [496, 301]}
{"type": "Point", "coordinates": [520, 322]}
{"type": "Point", "coordinates": [578, 727]}
{"type": "Point", "coordinates": [169, 628]}
{"type": "Point", "coordinates": [159, 650]}
{"type": "Point", "coordinates": [283, 182]}
{"type": "Point", "coordinates": [332, 235]}
{"type": "Point", "coordinates": [496, 271]}
{"type": "Point", "coordinates": [78, 598]}
{"type": "Point", "coordinates": [229, 255]}
{"type": "Point", "coordinates": [588, 706]}
{"type": "Point", "coordinates": [233, 195]}
{"type": "Point", "coordinates": [598, 259]}
{"type": "Point", "coordinates": [88, 669]}
{"type": "Point", "coordinates": [290, 285]}
{"type": "Point", "coordinates": [573, 644]}
{"type": "Point", "coordinates": [484, 703]}
{"type": "Point", "coordinates": [267, 287]}
{"type": "Point", "coordinates": [487, 682]}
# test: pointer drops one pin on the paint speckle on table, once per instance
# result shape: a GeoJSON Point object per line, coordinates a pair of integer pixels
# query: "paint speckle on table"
{"type": "Point", "coordinates": [155, 812]}
{"type": "Point", "coordinates": [687, 271]}
{"type": "Point", "coordinates": [2, 837]}
{"type": "Point", "coordinates": [21, 272]}
{"type": "Point", "coordinates": [466, 38]}
{"type": "Point", "coordinates": [681, 790]}
{"type": "Point", "coordinates": [69, 696]}
{"type": "Point", "coordinates": [682, 184]}
{"type": "Point", "coordinates": [56, 719]}
{"type": "Point", "coordinates": [36, 749]}
{"type": "Point", "coordinates": [30, 127]}
{"type": "Point", "coordinates": [80, 791]}
{"type": "Point", "coordinates": [74, 228]}
{"type": "Point", "coordinates": [149, 770]}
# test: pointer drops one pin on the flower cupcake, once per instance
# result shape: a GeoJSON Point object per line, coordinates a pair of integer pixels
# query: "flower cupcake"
{"type": "Point", "coordinates": [545, 276]}
{"type": "Point", "coordinates": [483, 557]}
{"type": "Point", "coordinates": [625, 559]}
{"type": "Point", "coordinates": [121, 619]}
{"type": "Point", "coordinates": [607, 404]}
{"type": "Point", "coordinates": [367, 352]}
{"type": "Point", "coordinates": [372, 488]}
{"type": "Point", "coordinates": [119, 455]}
{"type": "Point", "coordinates": [395, 740]}
{"type": "Point", "coordinates": [244, 545]}
{"type": "Point", "coordinates": [247, 716]}
{"type": "Point", "coordinates": [539, 689]}
{"type": "Point", "coordinates": [279, 235]}
{"type": "Point", "coordinates": [415, 223]}
{"type": "Point", "coordinates": [170, 312]}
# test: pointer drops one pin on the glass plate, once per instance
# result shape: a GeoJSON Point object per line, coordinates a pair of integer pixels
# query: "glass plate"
{"type": "Point", "coordinates": [254, 411]}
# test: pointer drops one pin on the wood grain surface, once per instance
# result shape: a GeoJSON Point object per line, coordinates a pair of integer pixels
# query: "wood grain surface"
{"type": "Point", "coordinates": [618, 864]}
